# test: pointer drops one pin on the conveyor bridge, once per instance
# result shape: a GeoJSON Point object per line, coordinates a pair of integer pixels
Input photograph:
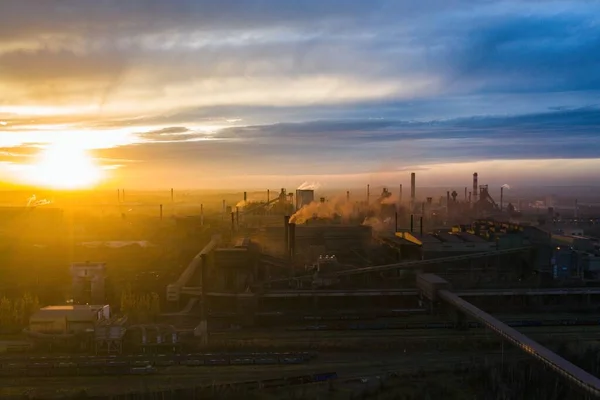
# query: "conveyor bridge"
{"type": "Point", "coordinates": [587, 382]}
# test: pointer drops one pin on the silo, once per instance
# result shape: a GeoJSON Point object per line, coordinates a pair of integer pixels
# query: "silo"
{"type": "Point", "coordinates": [304, 197]}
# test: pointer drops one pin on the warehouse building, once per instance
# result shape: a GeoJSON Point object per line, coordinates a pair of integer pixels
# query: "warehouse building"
{"type": "Point", "coordinates": [67, 319]}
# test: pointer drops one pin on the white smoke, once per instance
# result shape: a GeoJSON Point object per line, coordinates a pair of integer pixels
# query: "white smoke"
{"type": "Point", "coordinates": [34, 202]}
{"type": "Point", "coordinates": [309, 186]}
{"type": "Point", "coordinates": [506, 186]}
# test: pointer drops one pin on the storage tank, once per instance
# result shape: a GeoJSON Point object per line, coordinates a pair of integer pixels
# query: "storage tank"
{"type": "Point", "coordinates": [304, 197]}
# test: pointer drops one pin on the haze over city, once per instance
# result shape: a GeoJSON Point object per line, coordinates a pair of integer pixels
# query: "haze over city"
{"type": "Point", "coordinates": [255, 93]}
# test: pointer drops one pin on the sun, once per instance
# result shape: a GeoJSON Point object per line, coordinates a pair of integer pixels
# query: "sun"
{"type": "Point", "coordinates": [64, 166]}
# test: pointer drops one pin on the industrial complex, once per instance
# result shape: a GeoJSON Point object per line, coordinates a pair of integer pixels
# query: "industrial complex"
{"type": "Point", "coordinates": [342, 268]}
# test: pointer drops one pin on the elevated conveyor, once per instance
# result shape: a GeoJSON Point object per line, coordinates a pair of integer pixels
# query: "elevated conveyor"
{"type": "Point", "coordinates": [174, 290]}
{"type": "Point", "coordinates": [572, 373]}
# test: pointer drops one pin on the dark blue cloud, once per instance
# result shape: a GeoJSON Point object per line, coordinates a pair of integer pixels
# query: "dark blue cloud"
{"type": "Point", "coordinates": [328, 144]}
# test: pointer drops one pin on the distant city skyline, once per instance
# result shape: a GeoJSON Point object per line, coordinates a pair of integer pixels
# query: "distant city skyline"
{"type": "Point", "coordinates": [252, 94]}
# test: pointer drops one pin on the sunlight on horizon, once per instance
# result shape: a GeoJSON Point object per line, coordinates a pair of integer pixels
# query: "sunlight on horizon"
{"type": "Point", "coordinates": [63, 166]}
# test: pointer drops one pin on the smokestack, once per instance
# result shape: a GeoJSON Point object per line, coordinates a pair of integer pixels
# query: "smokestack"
{"type": "Point", "coordinates": [368, 193]}
{"type": "Point", "coordinates": [412, 223]}
{"type": "Point", "coordinates": [286, 233]}
{"type": "Point", "coordinates": [348, 195]}
{"type": "Point", "coordinates": [292, 242]}
{"type": "Point", "coordinates": [201, 214]}
{"type": "Point", "coordinates": [118, 195]}
{"type": "Point", "coordinates": [172, 202]}
{"type": "Point", "coordinates": [421, 226]}
{"type": "Point", "coordinates": [172, 197]}
{"type": "Point", "coordinates": [501, 197]}
{"type": "Point", "coordinates": [400, 195]}
{"type": "Point", "coordinates": [224, 210]}
{"type": "Point", "coordinates": [475, 187]}
{"type": "Point", "coordinates": [268, 195]}
{"type": "Point", "coordinates": [448, 198]}
{"type": "Point", "coordinates": [232, 222]}
{"type": "Point", "coordinates": [123, 195]}
{"type": "Point", "coordinates": [413, 188]}
{"type": "Point", "coordinates": [245, 197]}
{"type": "Point", "coordinates": [161, 215]}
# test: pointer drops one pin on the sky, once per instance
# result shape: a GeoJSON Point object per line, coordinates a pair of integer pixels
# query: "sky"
{"type": "Point", "coordinates": [267, 93]}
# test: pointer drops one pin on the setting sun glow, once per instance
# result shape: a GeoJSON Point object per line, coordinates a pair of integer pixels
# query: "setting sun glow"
{"type": "Point", "coordinates": [63, 166]}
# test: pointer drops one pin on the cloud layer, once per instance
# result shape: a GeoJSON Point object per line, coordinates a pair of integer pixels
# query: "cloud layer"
{"type": "Point", "coordinates": [322, 87]}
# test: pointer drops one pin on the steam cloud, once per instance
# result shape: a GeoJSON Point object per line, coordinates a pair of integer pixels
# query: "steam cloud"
{"type": "Point", "coordinates": [506, 186]}
{"type": "Point", "coordinates": [338, 206]}
{"type": "Point", "coordinates": [33, 202]}
{"type": "Point", "coordinates": [309, 186]}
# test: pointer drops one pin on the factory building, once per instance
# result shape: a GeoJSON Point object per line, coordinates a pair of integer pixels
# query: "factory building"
{"type": "Point", "coordinates": [435, 245]}
{"type": "Point", "coordinates": [67, 319]}
{"type": "Point", "coordinates": [88, 282]}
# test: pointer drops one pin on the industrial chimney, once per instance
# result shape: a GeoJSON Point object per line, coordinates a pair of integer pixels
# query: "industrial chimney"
{"type": "Point", "coordinates": [286, 233]}
{"type": "Point", "coordinates": [400, 196]}
{"type": "Point", "coordinates": [475, 187]}
{"type": "Point", "coordinates": [501, 197]}
{"type": "Point", "coordinates": [413, 189]}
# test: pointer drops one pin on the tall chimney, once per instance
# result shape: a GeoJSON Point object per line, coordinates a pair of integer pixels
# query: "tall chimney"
{"type": "Point", "coordinates": [400, 195]}
{"type": "Point", "coordinates": [268, 195]}
{"type": "Point", "coordinates": [348, 195]}
{"type": "Point", "coordinates": [368, 193]}
{"type": "Point", "coordinates": [118, 195]}
{"type": "Point", "coordinates": [412, 223]}
{"type": "Point", "coordinates": [245, 197]}
{"type": "Point", "coordinates": [465, 194]}
{"type": "Point", "coordinates": [201, 214]}
{"type": "Point", "coordinates": [286, 233]}
{"type": "Point", "coordinates": [475, 187]}
{"type": "Point", "coordinates": [172, 202]}
{"type": "Point", "coordinates": [501, 197]}
{"type": "Point", "coordinates": [232, 222]}
{"type": "Point", "coordinates": [413, 189]}
{"type": "Point", "coordinates": [123, 195]}
{"type": "Point", "coordinates": [161, 214]}
{"type": "Point", "coordinates": [292, 240]}
{"type": "Point", "coordinates": [448, 198]}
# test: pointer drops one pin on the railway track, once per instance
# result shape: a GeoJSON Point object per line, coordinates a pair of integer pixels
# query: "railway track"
{"type": "Point", "coordinates": [346, 367]}
{"type": "Point", "coordinates": [141, 365]}
{"type": "Point", "coordinates": [291, 338]}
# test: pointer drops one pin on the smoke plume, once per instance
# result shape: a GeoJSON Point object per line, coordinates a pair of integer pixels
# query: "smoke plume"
{"type": "Point", "coordinates": [309, 186]}
{"type": "Point", "coordinates": [506, 186]}
{"type": "Point", "coordinates": [34, 202]}
{"type": "Point", "coordinates": [336, 207]}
